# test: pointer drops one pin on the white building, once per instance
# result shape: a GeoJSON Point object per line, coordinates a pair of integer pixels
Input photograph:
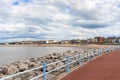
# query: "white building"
{"type": "Point", "coordinates": [51, 41]}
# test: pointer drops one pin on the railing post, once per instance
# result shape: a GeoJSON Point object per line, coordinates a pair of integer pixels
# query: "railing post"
{"type": "Point", "coordinates": [105, 50]}
{"type": "Point", "coordinates": [67, 64]}
{"type": "Point", "coordinates": [44, 70]}
{"type": "Point", "coordinates": [88, 57]}
{"type": "Point", "coordinates": [114, 48]}
{"type": "Point", "coordinates": [109, 49]}
{"type": "Point", "coordinates": [102, 50]}
{"type": "Point", "coordinates": [79, 59]}
{"type": "Point", "coordinates": [94, 54]}
{"type": "Point", "coordinates": [98, 51]}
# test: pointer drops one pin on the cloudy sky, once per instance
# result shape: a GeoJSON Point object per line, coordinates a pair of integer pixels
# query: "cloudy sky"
{"type": "Point", "coordinates": [58, 19]}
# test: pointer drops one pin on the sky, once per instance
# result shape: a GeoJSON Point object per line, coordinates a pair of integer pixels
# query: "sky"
{"type": "Point", "coordinates": [22, 20]}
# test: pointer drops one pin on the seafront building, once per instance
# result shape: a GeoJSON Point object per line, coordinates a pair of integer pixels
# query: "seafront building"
{"type": "Point", "coordinates": [95, 40]}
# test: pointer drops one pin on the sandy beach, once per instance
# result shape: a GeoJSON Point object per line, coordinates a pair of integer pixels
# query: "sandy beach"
{"type": "Point", "coordinates": [60, 45]}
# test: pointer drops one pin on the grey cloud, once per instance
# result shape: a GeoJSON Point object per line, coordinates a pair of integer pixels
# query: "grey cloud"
{"type": "Point", "coordinates": [59, 5]}
{"type": "Point", "coordinates": [37, 21]}
{"type": "Point", "coordinates": [30, 21]}
{"type": "Point", "coordinates": [90, 25]}
{"type": "Point", "coordinates": [4, 16]}
{"type": "Point", "coordinates": [46, 28]}
{"type": "Point", "coordinates": [84, 14]}
{"type": "Point", "coordinates": [90, 14]}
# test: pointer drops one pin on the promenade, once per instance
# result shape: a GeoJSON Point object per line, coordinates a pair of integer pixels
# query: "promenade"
{"type": "Point", "coordinates": [106, 67]}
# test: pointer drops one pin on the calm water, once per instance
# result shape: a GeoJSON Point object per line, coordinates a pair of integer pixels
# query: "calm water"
{"type": "Point", "coordinates": [13, 54]}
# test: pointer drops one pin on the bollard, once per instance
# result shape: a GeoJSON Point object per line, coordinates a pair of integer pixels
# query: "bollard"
{"type": "Point", "coordinates": [79, 59]}
{"type": "Point", "coordinates": [67, 64]}
{"type": "Point", "coordinates": [44, 70]}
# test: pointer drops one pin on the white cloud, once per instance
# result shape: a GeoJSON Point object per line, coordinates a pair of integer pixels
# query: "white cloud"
{"type": "Point", "coordinates": [50, 19]}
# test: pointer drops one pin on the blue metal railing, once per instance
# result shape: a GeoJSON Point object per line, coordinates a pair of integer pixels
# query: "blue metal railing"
{"type": "Point", "coordinates": [68, 61]}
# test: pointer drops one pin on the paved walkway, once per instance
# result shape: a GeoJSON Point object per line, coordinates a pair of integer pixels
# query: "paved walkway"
{"type": "Point", "coordinates": [106, 67]}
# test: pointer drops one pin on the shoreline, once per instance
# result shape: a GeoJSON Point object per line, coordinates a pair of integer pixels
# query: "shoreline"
{"type": "Point", "coordinates": [59, 45]}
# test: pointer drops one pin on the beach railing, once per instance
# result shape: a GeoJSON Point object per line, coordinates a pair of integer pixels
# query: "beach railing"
{"type": "Point", "coordinates": [68, 61]}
